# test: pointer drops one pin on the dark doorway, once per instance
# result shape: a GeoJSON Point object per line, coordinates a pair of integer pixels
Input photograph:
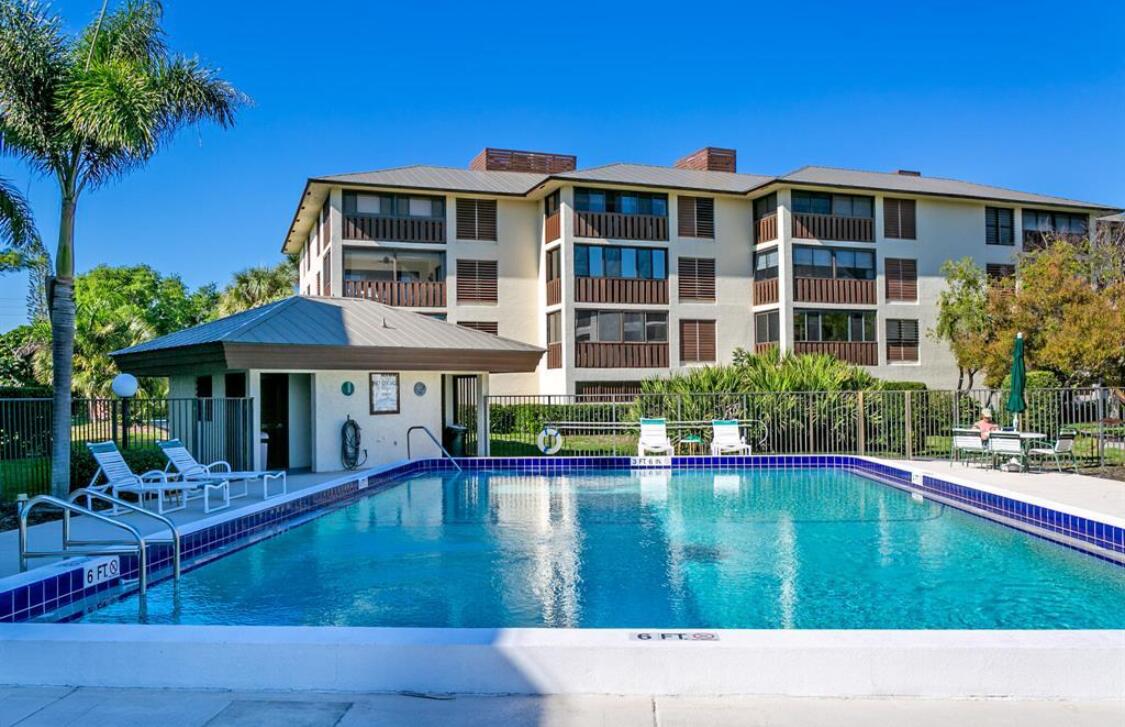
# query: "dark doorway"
{"type": "Point", "coordinates": [275, 419]}
{"type": "Point", "coordinates": [466, 393]}
{"type": "Point", "coordinates": [237, 421]}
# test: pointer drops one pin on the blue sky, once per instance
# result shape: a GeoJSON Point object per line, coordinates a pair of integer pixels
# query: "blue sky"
{"type": "Point", "coordinates": [1027, 95]}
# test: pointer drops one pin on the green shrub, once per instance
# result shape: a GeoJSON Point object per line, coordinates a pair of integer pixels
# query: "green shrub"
{"type": "Point", "coordinates": [140, 459]}
{"type": "Point", "coordinates": [903, 386]}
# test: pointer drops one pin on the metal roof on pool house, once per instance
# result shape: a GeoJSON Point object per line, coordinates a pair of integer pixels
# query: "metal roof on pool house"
{"type": "Point", "coordinates": [310, 333]}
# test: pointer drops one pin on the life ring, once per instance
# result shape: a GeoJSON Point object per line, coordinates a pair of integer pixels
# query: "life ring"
{"type": "Point", "coordinates": [549, 441]}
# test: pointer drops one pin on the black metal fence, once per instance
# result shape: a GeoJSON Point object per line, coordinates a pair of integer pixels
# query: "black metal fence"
{"type": "Point", "coordinates": [212, 429]}
{"type": "Point", "coordinates": [897, 424]}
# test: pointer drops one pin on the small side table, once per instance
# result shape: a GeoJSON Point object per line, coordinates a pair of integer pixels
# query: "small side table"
{"type": "Point", "coordinates": [693, 443]}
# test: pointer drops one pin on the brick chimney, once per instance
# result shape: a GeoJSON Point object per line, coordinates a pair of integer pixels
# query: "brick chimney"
{"type": "Point", "coordinates": [510, 160]}
{"type": "Point", "coordinates": [710, 159]}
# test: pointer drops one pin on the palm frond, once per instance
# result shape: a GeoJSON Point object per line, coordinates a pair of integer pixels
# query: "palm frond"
{"type": "Point", "coordinates": [17, 226]}
{"type": "Point", "coordinates": [129, 33]}
{"type": "Point", "coordinates": [113, 105]}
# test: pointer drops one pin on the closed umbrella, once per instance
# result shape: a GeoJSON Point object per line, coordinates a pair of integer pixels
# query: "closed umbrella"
{"type": "Point", "coordinates": [1017, 401]}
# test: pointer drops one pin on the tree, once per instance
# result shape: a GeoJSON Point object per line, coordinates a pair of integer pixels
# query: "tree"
{"type": "Point", "coordinates": [17, 353]}
{"type": "Point", "coordinates": [257, 286]}
{"type": "Point", "coordinates": [87, 110]}
{"type": "Point", "coordinates": [963, 320]}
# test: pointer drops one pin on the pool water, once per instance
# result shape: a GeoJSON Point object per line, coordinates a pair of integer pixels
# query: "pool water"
{"type": "Point", "coordinates": [763, 549]}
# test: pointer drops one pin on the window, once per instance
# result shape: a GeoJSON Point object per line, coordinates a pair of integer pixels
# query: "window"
{"type": "Point", "coordinates": [1057, 222]}
{"type": "Point", "coordinates": [767, 327]}
{"type": "Point", "coordinates": [697, 278]}
{"type": "Point", "coordinates": [902, 340]}
{"type": "Point", "coordinates": [629, 203]}
{"type": "Point", "coordinates": [608, 326]}
{"type": "Point", "coordinates": [551, 203]}
{"type": "Point", "coordinates": [325, 224]}
{"type": "Point", "coordinates": [842, 205]}
{"type": "Point", "coordinates": [998, 226]}
{"type": "Point", "coordinates": [601, 261]}
{"type": "Point", "coordinates": [394, 205]}
{"type": "Point", "coordinates": [697, 217]}
{"type": "Point", "coordinates": [764, 206]}
{"type": "Point", "coordinates": [393, 265]}
{"type": "Point", "coordinates": [554, 264]}
{"type": "Point", "coordinates": [326, 270]}
{"type": "Point", "coordinates": [902, 278]}
{"type": "Point", "coordinates": [554, 327]}
{"type": "Point", "coordinates": [476, 219]}
{"type": "Point", "coordinates": [898, 218]}
{"type": "Point", "coordinates": [482, 326]}
{"type": "Point", "coordinates": [999, 271]}
{"type": "Point", "coordinates": [832, 262]}
{"type": "Point", "coordinates": [765, 264]}
{"type": "Point", "coordinates": [204, 387]}
{"type": "Point", "coordinates": [814, 325]}
{"type": "Point", "coordinates": [476, 281]}
{"type": "Point", "coordinates": [697, 341]}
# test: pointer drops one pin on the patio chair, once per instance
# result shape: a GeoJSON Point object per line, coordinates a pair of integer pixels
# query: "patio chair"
{"type": "Point", "coordinates": [1063, 447]}
{"type": "Point", "coordinates": [120, 478]}
{"type": "Point", "coordinates": [190, 469]}
{"type": "Point", "coordinates": [966, 444]}
{"type": "Point", "coordinates": [726, 438]}
{"type": "Point", "coordinates": [1006, 445]}
{"type": "Point", "coordinates": [654, 438]}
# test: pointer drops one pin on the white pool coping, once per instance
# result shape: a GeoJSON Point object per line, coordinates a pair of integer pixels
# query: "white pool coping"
{"type": "Point", "coordinates": [815, 663]}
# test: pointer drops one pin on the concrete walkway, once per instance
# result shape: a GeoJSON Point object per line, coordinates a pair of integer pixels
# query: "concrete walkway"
{"type": "Point", "coordinates": [1065, 491]}
{"type": "Point", "coordinates": [28, 706]}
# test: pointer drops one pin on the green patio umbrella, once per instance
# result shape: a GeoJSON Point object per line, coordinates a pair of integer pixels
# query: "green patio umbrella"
{"type": "Point", "coordinates": [1017, 401]}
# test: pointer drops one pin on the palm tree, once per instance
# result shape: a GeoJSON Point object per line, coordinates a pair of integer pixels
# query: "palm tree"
{"type": "Point", "coordinates": [87, 110]}
{"type": "Point", "coordinates": [257, 286]}
{"type": "Point", "coordinates": [17, 226]}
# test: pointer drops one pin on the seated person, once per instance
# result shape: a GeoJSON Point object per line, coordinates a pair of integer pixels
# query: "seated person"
{"type": "Point", "coordinates": [985, 425]}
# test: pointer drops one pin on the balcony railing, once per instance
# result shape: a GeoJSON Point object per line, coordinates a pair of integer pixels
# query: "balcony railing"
{"type": "Point", "coordinates": [764, 346]}
{"type": "Point", "coordinates": [1036, 240]}
{"type": "Point", "coordinates": [765, 291]}
{"type": "Point", "coordinates": [861, 353]}
{"type": "Point", "coordinates": [552, 225]}
{"type": "Point", "coordinates": [834, 290]}
{"type": "Point", "coordinates": [554, 291]}
{"type": "Point", "coordinates": [767, 228]}
{"type": "Point", "coordinates": [621, 355]}
{"type": "Point", "coordinates": [617, 226]}
{"type": "Point", "coordinates": [554, 355]}
{"type": "Point", "coordinates": [809, 226]}
{"type": "Point", "coordinates": [415, 294]}
{"type": "Point", "coordinates": [621, 290]}
{"type": "Point", "coordinates": [393, 229]}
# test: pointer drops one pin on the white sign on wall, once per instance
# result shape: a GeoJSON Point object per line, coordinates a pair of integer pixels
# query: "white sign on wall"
{"type": "Point", "coordinates": [102, 570]}
{"type": "Point", "coordinates": [650, 462]}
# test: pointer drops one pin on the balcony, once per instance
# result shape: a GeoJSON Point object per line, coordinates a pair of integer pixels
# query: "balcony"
{"type": "Point", "coordinates": [810, 226]}
{"type": "Point", "coordinates": [621, 355]}
{"type": "Point", "coordinates": [767, 228]}
{"type": "Point", "coordinates": [552, 225]}
{"type": "Point", "coordinates": [412, 294]}
{"type": "Point", "coordinates": [765, 291]}
{"type": "Point", "coordinates": [554, 355]}
{"type": "Point", "coordinates": [860, 353]}
{"type": "Point", "coordinates": [554, 291]}
{"type": "Point", "coordinates": [618, 226]}
{"type": "Point", "coordinates": [1037, 240]}
{"type": "Point", "coordinates": [834, 290]}
{"type": "Point", "coordinates": [639, 291]}
{"type": "Point", "coordinates": [394, 229]}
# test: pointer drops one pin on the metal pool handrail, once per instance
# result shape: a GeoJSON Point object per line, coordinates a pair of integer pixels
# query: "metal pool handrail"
{"type": "Point", "coordinates": [433, 439]}
{"type": "Point", "coordinates": [90, 493]}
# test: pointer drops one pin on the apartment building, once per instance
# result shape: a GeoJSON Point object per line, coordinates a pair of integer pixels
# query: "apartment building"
{"type": "Point", "coordinates": [629, 271]}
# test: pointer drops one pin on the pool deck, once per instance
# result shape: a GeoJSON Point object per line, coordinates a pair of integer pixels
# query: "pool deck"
{"type": "Point", "coordinates": [47, 536]}
{"type": "Point", "coordinates": [28, 706]}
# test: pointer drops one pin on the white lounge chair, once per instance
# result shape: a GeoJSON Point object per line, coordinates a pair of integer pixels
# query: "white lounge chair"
{"type": "Point", "coordinates": [1006, 445]}
{"type": "Point", "coordinates": [189, 468]}
{"type": "Point", "coordinates": [1063, 447]}
{"type": "Point", "coordinates": [120, 479]}
{"type": "Point", "coordinates": [654, 438]}
{"type": "Point", "coordinates": [967, 444]}
{"type": "Point", "coordinates": [726, 438]}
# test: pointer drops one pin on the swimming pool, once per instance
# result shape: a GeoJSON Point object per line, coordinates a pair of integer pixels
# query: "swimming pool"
{"type": "Point", "coordinates": [796, 548]}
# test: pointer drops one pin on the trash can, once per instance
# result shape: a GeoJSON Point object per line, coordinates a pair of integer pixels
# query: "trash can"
{"type": "Point", "coordinates": [455, 439]}
{"type": "Point", "coordinates": [263, 449]}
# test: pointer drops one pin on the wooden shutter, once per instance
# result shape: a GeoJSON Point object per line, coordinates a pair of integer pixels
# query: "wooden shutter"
{"type": "Point", "coordinates": [696, 217]}
{"type": "Point", "coordinates": [902, 340]}
{"type": "Point", "coordinates": [327, 269]}
{"type": "Point", "coordinates": [476, 281]}
{"type": "Point", "coordinates": [697, 341]}
{"type": "Point", "coordinates": [902, 278]}
{"type": "Point", "coordinates": [476, 219]}
{"type": "Point", "coordinates": [697, 278]}
{"type": "Point", "coordinates": [899, 218]}
{"type": "Point", "coordinates": [483, 326]}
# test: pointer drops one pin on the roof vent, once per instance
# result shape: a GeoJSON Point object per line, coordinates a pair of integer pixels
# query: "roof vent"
{"type": "Point", "coordinates": [710, 159]}
{"type": "Point", "coordinates": [908, 172]}
{"type": "Point", "coordinates": [510, 160]}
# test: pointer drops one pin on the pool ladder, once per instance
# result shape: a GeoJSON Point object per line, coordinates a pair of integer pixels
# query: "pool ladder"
{"type": "Point", "coordinates": [433, 439]}
{"type": "Point", "coordinates": [136, 542]}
